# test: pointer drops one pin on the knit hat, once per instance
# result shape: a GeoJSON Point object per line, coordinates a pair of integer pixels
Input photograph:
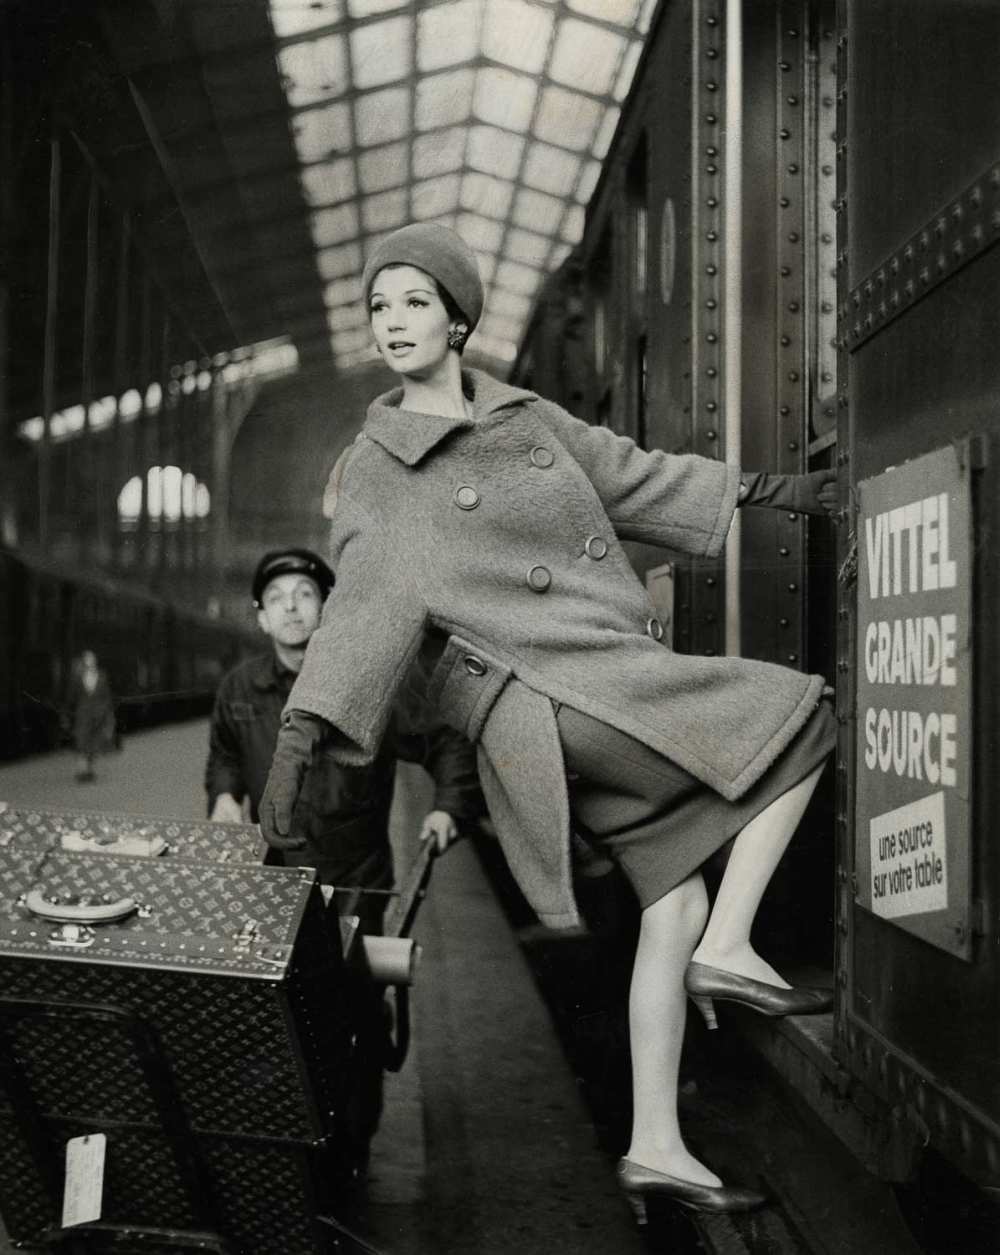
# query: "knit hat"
{"type": "Point", "coordinates": [291, 562]}
{"type": "Point", "coordinates": [439, 252]}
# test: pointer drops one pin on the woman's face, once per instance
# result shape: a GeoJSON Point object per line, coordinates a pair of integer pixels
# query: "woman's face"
{"type": "Point", "coordinates": [409, 321]}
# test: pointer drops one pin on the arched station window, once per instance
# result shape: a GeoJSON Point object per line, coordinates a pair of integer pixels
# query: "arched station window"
{"type": "Point", "coordinates": [170, 495]}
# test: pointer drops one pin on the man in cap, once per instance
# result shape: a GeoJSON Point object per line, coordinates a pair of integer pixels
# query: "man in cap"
{"type": "Point", "coordinates": [340, 825]}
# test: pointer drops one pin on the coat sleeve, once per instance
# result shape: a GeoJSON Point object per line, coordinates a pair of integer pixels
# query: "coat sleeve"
{"type": "Point", "coordinates": [450, 759]}
{"type": "Point", "coordinates": [224, 770]}
{"type": "Point", "coordinates": [372, 625]}
{"type": "Point", "coordinates": [680, 501]}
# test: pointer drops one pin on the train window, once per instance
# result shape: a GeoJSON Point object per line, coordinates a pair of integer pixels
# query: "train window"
{"type": "Point", "coordinates": [640, 228]}
{"type": "Point", "coordinates": [600, 284]}
{"type": "Point", "coordinates": [641, 380]}
{"type": "Point", "coordinates": [130, 504]}
{"type": "Point", "coordinates": [9, 534]}
{"type": "Point", "coordinates": [635, 270]}
{"type": "Point", "coordinates": [668, 250]}
{"type": "Point", "coordinates": [167, 492]}
{"type": "Point", "coordinates": [637, 184]}
{"type": "Point", "coordinates": [600, 340]}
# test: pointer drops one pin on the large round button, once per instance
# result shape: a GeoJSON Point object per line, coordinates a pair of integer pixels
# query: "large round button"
{"type": "Point", "coordinates": [474, 665]}
{"type": "Point", "coordinates": [539, 578]}
{"type": "Point", "coordinates": [466, 498]}
{"type": "Point", "coordinates": [596, 547]}
{"type": "Point", "coordinates": [654, 628]}
{"type": "Point", "coordinates": [541, 457]}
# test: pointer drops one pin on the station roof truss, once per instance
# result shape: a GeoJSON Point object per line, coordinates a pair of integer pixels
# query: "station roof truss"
{"type": "Point", "coordinates": [490, 116]}
{"type": "Point", "coordinates": [250, 153]}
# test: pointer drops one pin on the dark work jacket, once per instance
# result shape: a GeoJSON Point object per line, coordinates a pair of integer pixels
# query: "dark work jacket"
{"type": "Point", "coordinates": [343, 811]}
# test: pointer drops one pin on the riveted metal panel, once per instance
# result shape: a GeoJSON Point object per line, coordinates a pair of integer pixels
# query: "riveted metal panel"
{"type": "Point", "coordinates": [821, 212]}
{"type": "Point", "coordinates": [919, 105]}
{"type": "Point", "coordinates": [702, 587]}
{"type": "Point", "coordinates": [963, 229]}
{"type": "Point", "coordinates": [923, 88]}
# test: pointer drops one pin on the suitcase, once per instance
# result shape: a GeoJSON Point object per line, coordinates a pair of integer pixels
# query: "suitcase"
{"type": "Point", "coordinates": [22, 828]}
{"type": "Point", "coordinates": [194, 1014]}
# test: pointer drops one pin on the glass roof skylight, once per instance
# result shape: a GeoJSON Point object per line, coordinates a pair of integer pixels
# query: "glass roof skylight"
{"type": "Point", "coordinates": [491, 116]}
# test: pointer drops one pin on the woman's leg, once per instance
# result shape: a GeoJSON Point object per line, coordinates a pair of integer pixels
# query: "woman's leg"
{"type": "Point", "coordinates": [669, 931]}
{"type": "Point", "coordinates": [756, 852]}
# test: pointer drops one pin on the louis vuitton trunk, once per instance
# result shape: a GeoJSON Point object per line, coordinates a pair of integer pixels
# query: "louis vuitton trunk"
{"type": "Point", "coordinates": [26, 828]}
{"type": "Point", "coordinates": [192, 1013]}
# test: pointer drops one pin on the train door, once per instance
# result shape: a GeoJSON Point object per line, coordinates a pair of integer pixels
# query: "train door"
{"type": "Point", "coordinates": [918, 131]}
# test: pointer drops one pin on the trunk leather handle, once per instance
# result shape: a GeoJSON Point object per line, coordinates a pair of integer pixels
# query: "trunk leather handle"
{"type": "Point", "coordinates": [78, 912]}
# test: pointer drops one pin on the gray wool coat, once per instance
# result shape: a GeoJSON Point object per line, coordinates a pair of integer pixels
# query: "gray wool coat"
{"type": "Point", "coordinates": [477, 530]}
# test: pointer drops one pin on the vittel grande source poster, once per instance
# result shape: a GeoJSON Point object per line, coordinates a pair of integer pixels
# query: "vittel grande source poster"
{"type": "Point", "coordinates": [914, 698]}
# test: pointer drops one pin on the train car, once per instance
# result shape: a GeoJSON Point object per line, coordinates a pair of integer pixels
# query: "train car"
{"type": "Point", "coordinates": [788, 260]}
{"type": "Point", "coordinates": [163, 661]}
{"type": "Point", "coordinates": [787, 263]}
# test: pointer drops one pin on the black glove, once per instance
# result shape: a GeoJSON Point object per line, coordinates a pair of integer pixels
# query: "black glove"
{"type": "Point", "coordinates": [815, 493]}
{"type": "Point", "coordinates": [297, 740]}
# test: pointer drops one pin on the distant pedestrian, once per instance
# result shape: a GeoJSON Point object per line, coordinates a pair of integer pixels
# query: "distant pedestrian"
{"type": "Point", "coordinates": [92, 713]}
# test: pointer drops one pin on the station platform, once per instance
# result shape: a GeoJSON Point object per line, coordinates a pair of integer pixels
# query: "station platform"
{"type": "Point", "coordinates": [500, 1132]}
{"type": "Point", "coordinates": [485, 1144]}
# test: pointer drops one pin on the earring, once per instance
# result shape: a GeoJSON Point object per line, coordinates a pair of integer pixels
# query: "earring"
{"type": "Point", "coordinates": [457, 335]}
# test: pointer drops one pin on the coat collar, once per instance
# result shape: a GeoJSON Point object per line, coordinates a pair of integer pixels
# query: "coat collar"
{"type": "Point", "coordinates": [410, 437]}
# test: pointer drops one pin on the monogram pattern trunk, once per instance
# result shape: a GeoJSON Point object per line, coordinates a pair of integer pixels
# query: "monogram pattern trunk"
{"type": "Point", "coordinates": [206, 1033]}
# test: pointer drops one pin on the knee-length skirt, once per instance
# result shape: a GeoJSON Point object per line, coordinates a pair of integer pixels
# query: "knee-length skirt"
{"type": "Point", "coordinates": [658, 822]}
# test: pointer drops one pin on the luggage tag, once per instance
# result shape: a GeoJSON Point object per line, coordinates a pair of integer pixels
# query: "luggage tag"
{"type": "Point", "coordinates": [83, 1188]}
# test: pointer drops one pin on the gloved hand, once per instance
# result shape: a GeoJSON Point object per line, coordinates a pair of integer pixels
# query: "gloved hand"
{"type": "Point", "coordinates": [297, 740]}
{"type": "Point", "coordinates": [815, 493]}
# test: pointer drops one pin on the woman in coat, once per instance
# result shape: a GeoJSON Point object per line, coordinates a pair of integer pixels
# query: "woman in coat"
{"type": "Point", "coordinates": [487, 521]}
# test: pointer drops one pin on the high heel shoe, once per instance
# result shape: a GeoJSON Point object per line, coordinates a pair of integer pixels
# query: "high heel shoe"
{"type": "Point", "coordinates": [637, 1182]}
{"type": "Point", "coordinates": [703, 983]}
